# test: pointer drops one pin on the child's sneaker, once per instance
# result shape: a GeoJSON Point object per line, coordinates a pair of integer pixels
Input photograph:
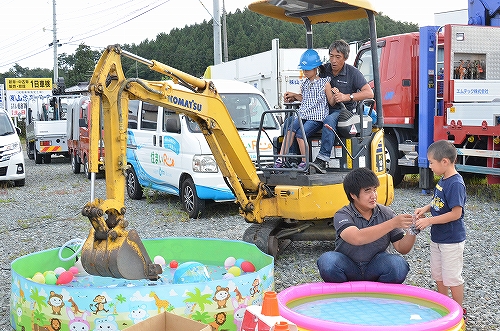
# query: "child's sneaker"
{"type": "Point", "coordinates": [278, 163]}
{"type": "Point", "coordinates": [301, 166]}
{"type": "Point", "coordinates": [464, 314]}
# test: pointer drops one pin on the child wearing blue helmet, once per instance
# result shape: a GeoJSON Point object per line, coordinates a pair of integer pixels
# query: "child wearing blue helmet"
{"type": "Point", "coordinates": [315, 92]}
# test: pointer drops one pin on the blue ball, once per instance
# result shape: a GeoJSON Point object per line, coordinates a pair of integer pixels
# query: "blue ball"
{"type": "Point", "coordinates": [191, 272]}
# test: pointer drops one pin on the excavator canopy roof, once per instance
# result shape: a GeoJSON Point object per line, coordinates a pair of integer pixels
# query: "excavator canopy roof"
{"type": "Point", "coordinates": [316, 11]}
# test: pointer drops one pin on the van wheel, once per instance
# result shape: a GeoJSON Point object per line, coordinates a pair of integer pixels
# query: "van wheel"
{"type": "Point", "coordinates": [75, 165]}
{"type": "Point", "coordinates": [193, 205]}
{"type": "Point", "coordinates": [134, 189]}
{"type": "Point", "coordinates": [29, 151]}
{"type": "Point", "coordinates": [38, 157]}
{"type": "Point", "coordinates": [19, 183]}
{"type": "Point", "coordinates": [391, 158]}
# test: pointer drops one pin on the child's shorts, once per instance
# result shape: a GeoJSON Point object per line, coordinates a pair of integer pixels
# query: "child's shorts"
{"type": "Point", "coordinates": [447, 262]}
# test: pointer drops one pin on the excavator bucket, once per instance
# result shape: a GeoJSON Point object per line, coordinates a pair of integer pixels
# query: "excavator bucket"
{"type": "Point", "coordinates": [112, 251]}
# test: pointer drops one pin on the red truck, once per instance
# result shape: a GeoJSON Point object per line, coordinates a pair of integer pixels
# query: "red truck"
{"type": "Point", "coordinates": [440, 83]}
{"type": "Point", "coordinates": [78, 119]}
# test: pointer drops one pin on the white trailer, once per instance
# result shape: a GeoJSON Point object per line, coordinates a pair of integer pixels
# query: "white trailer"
{"type": "Point", "coordinates": [273, 72]}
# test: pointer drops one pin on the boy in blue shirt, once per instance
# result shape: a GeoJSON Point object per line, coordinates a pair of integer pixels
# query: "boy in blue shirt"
{"type": "Point", "coordinates": [446, 221]}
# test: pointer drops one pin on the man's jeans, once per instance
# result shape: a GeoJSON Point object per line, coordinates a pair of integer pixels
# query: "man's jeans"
{"type": "Point", "coordinates": [335, 267]}
{"type": "Point", "coordinates": [327, 135]}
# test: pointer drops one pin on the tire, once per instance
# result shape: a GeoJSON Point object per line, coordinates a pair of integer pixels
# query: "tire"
{"type": "Point", "coordinates": [190, 202]}
{"type": "Point", "coordinates": [75, 164]}
{"type": "Point", "coordinates": [134, 189]}
{"type": "Point", "coordinates": [38, 157]}
{"type": "Point", "coordinates": [47, 158]}
{"type": "Point", "coordinates": [30, 151]}
{"type": "Point", "coordinates": [88, 174]}
{"type": "Point", "coordinates": [20, 182]}
{"type": "Point", "coordinates": [392, 155]}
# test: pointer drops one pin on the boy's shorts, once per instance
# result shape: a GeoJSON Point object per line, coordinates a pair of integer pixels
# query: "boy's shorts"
{"type": "Point", "coordinates": [447, 262]}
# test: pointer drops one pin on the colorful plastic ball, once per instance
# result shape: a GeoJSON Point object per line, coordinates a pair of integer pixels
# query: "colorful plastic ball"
{"type": "Point", "coordinates": [191, 272]}
{"type": "Point", "coordinates": [173, 264]}
{"type": "Point", "coordinates": [229, 262]}
{"type": "Point", "coordinates": [74, 270]}
{"type": "Point", "coordinates": [159, 260]}
{"type": "Point", "coordinates": [59, 270]}
{"type": "Point", "coordinates": [234, 270]}
{"type": "Point", "coordinates": [65, 278]}
{"type": "Point", "coordinates": [238, 262]}
{"type": "Point", "coordinates": [227, 276]}
{"type": "Point", "coordinates": [51, 278]}
{"type": "Point", "coordinates": [45, 273]}
{"type": "Point", "coordinates": [247, 266]}
{"type": "Point", "coordinates": [38, 278]}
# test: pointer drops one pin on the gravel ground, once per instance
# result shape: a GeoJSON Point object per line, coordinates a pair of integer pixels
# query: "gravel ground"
{"type": "Point", "coordinates": [46, 213]}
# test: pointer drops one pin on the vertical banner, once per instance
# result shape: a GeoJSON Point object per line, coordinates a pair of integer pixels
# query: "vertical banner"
{"type": "Point", "coordinates": [22, 91]}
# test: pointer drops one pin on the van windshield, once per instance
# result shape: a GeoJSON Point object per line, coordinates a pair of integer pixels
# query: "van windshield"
{"type": "Point", "coordinates": [6, 127]}
{"type": "Point", "coordinates": [246, 111]}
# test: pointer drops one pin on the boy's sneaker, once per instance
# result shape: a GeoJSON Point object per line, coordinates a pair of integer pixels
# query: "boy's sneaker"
{"type": "Point", "coordinates": [278, 163]}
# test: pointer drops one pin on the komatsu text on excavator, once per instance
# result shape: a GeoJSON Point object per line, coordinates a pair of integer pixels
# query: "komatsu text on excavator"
{"type": "Point", "coordinates": [281, 205]}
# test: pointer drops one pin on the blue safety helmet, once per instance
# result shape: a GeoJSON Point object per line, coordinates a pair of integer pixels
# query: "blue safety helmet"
{"type": "Point", "coordinates": [309, 60]}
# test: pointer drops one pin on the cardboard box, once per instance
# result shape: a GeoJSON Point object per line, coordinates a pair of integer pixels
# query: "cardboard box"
{"type": "Point", "coordinates": [169, 322]}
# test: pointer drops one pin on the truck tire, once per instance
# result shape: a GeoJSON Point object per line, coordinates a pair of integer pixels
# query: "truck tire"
{"type": "Point", "coordinates": [391, 157]}
{"type": "Point", "coordinates": [29, 151]}
{"type": "Point", "coordinates": [75, 164]}
{"type": "Point", "coordinates": [47, 158]}
{"type": "Point", "coordinates": [38, 157]}
{"type": "Point", "coordinates": [134, 189]}
{"type": "Point", "coordinates": [190, 202]}
{"type": "Point", "coordinates": [86, 167]}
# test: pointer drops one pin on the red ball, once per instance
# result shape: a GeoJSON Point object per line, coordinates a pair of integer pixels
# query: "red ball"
{"type": "Point", "coordinates": [65, 278]}
{"type": "Point", "coordinates": [174, 264]}
{"type": "Point", "coordinates": [247, 266]}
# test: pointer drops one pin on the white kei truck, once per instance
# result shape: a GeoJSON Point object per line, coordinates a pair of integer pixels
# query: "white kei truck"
{"type": "Point", "coordinates": [167, 152]}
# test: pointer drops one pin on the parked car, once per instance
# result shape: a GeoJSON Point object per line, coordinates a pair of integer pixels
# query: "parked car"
{"type": "Point", "coordinates": [11, 154]}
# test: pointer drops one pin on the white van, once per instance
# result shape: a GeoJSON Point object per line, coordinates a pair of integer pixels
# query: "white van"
{"type": "Point", "coordinates": [11, 154]}
{"type": "Point", "coordinates": [167, 152]}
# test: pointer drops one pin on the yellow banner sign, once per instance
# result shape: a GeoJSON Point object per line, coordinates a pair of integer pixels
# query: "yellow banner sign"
{"type": "Point", "coordinates": [28, 83]}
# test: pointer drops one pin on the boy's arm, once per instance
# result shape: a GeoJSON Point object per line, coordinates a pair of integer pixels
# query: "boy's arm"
{"type": "Point", "coordinates": [453, 215]}
{"type": "Point", "coordinates": [419, 212]}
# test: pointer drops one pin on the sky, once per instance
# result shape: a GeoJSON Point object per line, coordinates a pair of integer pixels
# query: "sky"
{"type": "Point", "coordinates": [27, 25]}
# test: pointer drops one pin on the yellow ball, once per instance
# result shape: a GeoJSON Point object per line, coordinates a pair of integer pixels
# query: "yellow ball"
{"type": "Point", "coordinates": [38, 278]}
{"type": "Point", "coordinates": [235, 271]}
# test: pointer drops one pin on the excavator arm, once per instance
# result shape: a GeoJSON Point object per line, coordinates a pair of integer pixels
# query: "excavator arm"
{"type": "Point", "coordinates": [110, 249]}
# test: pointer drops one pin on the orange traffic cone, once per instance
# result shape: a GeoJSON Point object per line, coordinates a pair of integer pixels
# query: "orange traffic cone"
{"type": "Point", "coordinates": [270, 304]}
{"type": "Point", "coordinates": [281, 326]}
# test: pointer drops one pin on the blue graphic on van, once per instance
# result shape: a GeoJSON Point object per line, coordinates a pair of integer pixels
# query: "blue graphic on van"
{"type": "Point", "coordinates": [171, 144]}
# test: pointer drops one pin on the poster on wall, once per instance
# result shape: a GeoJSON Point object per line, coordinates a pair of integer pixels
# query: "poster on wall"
{"type": "Point", "coordinates": [20, 91]}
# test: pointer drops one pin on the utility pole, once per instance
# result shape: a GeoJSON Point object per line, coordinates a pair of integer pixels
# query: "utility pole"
{"type": "Point", "coordinates": [217, 34]}
{"type": "Point", "coordinates": [54, 40]}
{"type": "Point", "coordinates": [224, 31]}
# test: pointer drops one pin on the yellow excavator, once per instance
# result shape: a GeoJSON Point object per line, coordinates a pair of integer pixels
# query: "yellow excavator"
{"type": "Point", "coordinates": [281, 205]}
